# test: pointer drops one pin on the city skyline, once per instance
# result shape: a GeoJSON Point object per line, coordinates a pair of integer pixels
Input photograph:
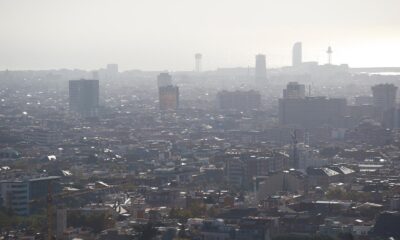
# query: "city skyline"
{"type": "Point", "coordinates": [183, 119]}
{"type": "Point", "coordinates": [138, 35]}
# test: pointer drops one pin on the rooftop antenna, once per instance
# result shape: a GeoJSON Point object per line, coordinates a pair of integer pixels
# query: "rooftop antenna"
{"type": "Point", "coordinates": [329, 52]}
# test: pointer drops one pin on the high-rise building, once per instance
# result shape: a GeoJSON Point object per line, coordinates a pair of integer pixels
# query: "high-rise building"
{"type": "Point", "coordinates": [111, 71]}
{"type": "Point", "coordinates": [164, 79]}
{"type": "Point", "coordinates": [297, 54]}
{"type": "Point", "coordinates": [198, 58]}
{"type": "Point", "coordinates": [294, 90]}
{"type": "Point", "coordinates": [168, 94]}
{"type": "Point", "coordinates": [384, 96]}
{"type": "Point", "coordinates": [261, 69]}
{"type": "Point", "coordinates": [84, 97]}
{"type": "Point", "coordinates": [168, 97]}
{"type": "Point", "coordinates": [239, 100]}
{"type": "Point", "coordinates": [14, 194]}
{"type": "Point", "coordinates": [384, 103]}
{"type": "Point", "coordinates": [18, 194]}
{"type": "Point", "coordinates": [112, 68]}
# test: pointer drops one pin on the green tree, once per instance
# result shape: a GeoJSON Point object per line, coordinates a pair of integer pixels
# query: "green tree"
{"type": "Point", "coordinates": [147, 231]}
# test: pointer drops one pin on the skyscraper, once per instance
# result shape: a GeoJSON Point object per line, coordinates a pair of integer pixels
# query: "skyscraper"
{"type": "Point", "coordinates": [297, 54]}
{"type": "Point", "coordinates": [384, 96]}
{"type": "Point", "coordinates": [95, 75]}
{"type": "Point", "coordinates": [261, 69]}
{"type": "Point", "coordinates": [168, 94]}
{"type": "Point", "coordinates": [84, 97]}
{"type": "Point", "coordinates": [112, 71]}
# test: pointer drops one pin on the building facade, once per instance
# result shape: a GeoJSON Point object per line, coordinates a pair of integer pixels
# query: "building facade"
{"type": "Point", "coordinates": [239, 100]}
{"type": "Point", "coordinates": [261, 69]}
{"type": "Point", "coordinates": [294, 90]}
{"type": "Point", "coordinates": [297, 54]}
{"type": "Point", "coordinates": [84, 97]}
{"type": "Point", "coordinates": [312, 112]}
{"type": "Point", "coordinates": [168, 97]}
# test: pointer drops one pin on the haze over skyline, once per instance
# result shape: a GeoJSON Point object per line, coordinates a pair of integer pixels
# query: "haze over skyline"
{"type": "Point", "coordinates": [158, 35]}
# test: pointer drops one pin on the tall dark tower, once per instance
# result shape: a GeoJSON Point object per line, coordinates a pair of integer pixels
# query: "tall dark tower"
{"type": "Point", "coordinates": [168, 97]}
{"type": "Point", "coordinates": [384, 101]}
{"type": "Point", "coordinates": [168, 94]}
{"type": "Point", "coordinates": [297, 54]}
{"type": "Point", "coordinates": [198, 58]}
{"type": "Point", "coordinates": [384, 96]}
{"type": "Point", "coordinates": [112, 71]}
{"type": "Point", "coordinates": [261, 69]}
{"type": "Point", "coordinates": [84, 97]}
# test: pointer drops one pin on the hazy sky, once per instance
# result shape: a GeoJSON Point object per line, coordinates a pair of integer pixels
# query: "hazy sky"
{"type": "Point", "coordinates": [165, 34]}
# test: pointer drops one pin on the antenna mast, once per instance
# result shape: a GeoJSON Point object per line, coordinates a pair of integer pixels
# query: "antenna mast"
{"type": "Point", "coordinates": [329, 52]}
